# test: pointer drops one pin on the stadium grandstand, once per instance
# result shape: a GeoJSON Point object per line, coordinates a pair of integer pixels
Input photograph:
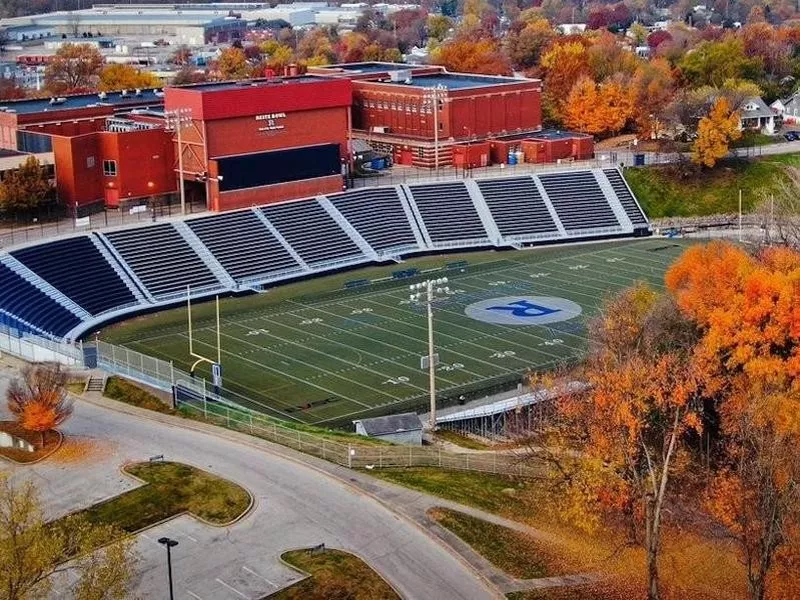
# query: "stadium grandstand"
{"type": "Point", "coordinates": [64, 288]}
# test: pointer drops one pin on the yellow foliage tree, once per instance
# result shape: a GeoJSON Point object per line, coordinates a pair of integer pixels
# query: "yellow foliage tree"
{"type": "Point", "coordinates": [715, 132]}
{"type": "Point", "coordinates": [232, 64]}
{"type": "Point", "coordinates": [125, 77]}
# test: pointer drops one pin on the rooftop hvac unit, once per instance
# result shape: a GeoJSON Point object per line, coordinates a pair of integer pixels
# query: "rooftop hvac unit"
{"type": "Point", "coordinates": [138, 92]}
{"type": "Point", "coordinates": [400, 76]}
{"type": "Point", "coordinates": [102, 95]}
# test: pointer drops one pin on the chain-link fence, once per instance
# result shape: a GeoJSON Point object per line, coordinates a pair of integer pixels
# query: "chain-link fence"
{"type": "Point", "coordinates": [354, 455]}
{"type": "Point", "coordinates": [206, 405]}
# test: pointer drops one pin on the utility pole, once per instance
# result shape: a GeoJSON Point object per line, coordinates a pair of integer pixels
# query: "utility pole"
{"type": "Point", "coordinates": [425, 293]}
{"type": "Point", "coordinates": [177, 119]}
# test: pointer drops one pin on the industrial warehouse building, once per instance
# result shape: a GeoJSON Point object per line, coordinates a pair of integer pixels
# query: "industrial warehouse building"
{"type": "Point", "coordinates": [268, 140]}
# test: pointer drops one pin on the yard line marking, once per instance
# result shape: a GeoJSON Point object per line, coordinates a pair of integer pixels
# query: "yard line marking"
{"type": "Point", "coordinates": [367, 352]}
{"type": "Point", "coordinates": [193, 595]}
{"type": "Point", "coordinates": [283, 373]}
{"type": "Point", "coordinates": [484, 349]}
{"type": "Point", "coordinates": [410, 324]}
{"type": "Point", "coordinates": [333, 373]}
{"type": "Point", "coordinates": [231, 588]}
{"type": "Point", "coordinates": [249, 570]}
{"type": "Point", "coordinates": [374, 341]}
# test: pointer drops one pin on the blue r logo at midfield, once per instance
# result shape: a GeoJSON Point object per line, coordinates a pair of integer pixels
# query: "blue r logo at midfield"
{"type": "Point", "coordinates": [523, 308]}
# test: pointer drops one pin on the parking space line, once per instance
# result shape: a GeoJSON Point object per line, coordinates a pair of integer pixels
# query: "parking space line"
{"type": "Point", "coordinates": [231, 588]}
{"type": "Point", "coordinates": [180, 531]}
{"type": "Point", "coordinates": [193, 595]}
{"type": "Point", "coordinates": [249, 570]}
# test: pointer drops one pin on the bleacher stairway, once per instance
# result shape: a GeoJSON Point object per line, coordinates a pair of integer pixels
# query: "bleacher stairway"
{"type": "Point", "coordinates": [64, 287]}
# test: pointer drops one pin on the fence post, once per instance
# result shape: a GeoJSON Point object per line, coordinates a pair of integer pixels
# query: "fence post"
{"type": "Point", "coordinates": [205, 408]}
{"type": "Point", "coordinates": [349, 457]}
{"type": "Point", "coordinates": [171, 373]}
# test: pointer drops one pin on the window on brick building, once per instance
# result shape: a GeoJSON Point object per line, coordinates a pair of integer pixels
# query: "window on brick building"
{"type": "Point", "coordinates": [110, 168]}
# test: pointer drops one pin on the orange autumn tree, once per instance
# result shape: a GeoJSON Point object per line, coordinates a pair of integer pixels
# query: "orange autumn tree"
{"type": "Point", "coordinates": [38, 400]}
{"type": "Point", "coordinates": [748, 310]}
{"type": "Point", "coordinates": [632, 424]}
{"type": "Point", "coordinates": [715, 132]}
{"type": "Point", "coordinates": [598, 109]}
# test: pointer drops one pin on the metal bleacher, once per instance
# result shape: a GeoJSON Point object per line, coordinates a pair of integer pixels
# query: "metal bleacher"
{"type": "Point", "coordinates": [62, 288]}
{"type": "Point", "coordinates": [629, 203]}
{"type": "Point", "coordinates": [313, 233]}
{"type": "Point", "coordinates": [161, 259]}
{"type": "Point", "coordinates": [378, 215]}
{"type": "Point", "coordinates": [579, 201]}
{"type": "Point", "coordinates": [75, 267]}
{"type": "Point", "coordinates": [449, 213]}
{"type": "Point", "coordinates": [32, 306]}
{"type": "Point", "coordinates": [518, 208]}
{"type": "Point", "coordinates": [243, 245]}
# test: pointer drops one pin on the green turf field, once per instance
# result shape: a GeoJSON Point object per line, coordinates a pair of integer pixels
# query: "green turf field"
{"type": "Point", "coordinates": [317, 353]}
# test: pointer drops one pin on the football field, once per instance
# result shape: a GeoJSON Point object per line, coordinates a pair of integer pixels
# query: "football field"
{"type": "Point", "coordinates": [315, 352]}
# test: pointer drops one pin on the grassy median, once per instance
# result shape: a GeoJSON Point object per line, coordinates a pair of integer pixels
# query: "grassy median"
{"type": "Point", "coordinates": [171, 489]}
{"type": "Point", "coordinates": [334, 574]}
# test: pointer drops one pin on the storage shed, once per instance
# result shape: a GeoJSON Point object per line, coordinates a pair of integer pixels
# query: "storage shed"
{"type": "Point", "coordinates": [405, 428]}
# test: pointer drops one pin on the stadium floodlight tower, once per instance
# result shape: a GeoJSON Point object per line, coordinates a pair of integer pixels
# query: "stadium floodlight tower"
{"type": "Point", "coordinates": [176, 120]}
{"type": "Point", "coordinates": [426, 293]}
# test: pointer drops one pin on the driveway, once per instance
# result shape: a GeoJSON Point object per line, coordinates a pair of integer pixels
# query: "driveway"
{"type": "Point", "coordinates": [297, 505]}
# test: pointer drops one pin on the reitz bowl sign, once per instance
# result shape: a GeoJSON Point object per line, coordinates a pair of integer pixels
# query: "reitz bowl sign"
{"type": "Point", "coordinates": [524, 310]}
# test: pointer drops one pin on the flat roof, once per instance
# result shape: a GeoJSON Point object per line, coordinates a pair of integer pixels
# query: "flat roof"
{"type": "Point", "coordinates": [248, 83]}
{"type": "Point", "coordinates": [456, 81]}
{"type": "Point", "coordinates": [40, 105]}
{"type": "Point", "coordinates": [370, 67]}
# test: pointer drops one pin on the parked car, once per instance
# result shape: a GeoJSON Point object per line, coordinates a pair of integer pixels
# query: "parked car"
{"type": "Point", "coordinates": [790, 136]}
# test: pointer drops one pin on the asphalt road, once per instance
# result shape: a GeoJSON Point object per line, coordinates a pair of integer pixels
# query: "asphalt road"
{"type": "Point", "coordinates": [296, 506]}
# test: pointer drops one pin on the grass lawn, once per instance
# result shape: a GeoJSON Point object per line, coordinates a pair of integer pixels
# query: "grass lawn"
{"type": "Point", "coordinates": [513, 552]}
{"type": "Point", "coordinates": [715, 191]}
{"type": "Point", "coordinates": [130, 393]}
{"type": "Point", "coordinates": [171, 489]}
{"type": "Point", "coordinates": [461, 440]}
{"type": "Point", "coordinates": [316, 354]}
{"type": "Point", "coordinates": [334, 575]}
{"type": "Point", "coordinates": [52, 440]}
{"type": "Point", "coordinates": [492, 493]}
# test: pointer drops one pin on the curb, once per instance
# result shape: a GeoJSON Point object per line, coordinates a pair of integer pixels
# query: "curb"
{"type": "Point", "coordinates": [244, 513]}
{"type": "Point", "coordinates": [41, 458]}
{"type": "Point", "coordinates": [309, 575]}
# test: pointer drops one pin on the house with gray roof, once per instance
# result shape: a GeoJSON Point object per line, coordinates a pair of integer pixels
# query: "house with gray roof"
{"type": "Point", "coordinates": [755, 115]}
{"type": "Point", "coordinates": [405, 428]}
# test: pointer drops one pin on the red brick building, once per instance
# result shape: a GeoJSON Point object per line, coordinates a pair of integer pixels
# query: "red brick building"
{"type": "Point", "coordinates": [128, 159]}
{"type": "Point", "coordinates": [264, 141]}
{"type": "Point", "coordinates": [394, 108]}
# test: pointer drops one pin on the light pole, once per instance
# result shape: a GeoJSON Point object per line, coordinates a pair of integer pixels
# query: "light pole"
{"type": "Point", "coordinates": [433, 96]}
{"type": "Point", "coordinates": [169, 544]}
{"type": "Point", "coordinates": [426, 292]}
{"type": "Point", "coordinates": [176, 120]}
